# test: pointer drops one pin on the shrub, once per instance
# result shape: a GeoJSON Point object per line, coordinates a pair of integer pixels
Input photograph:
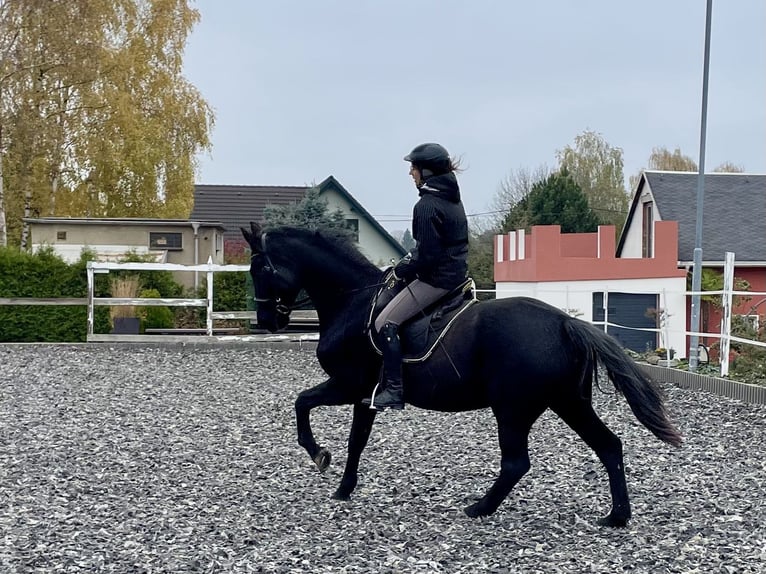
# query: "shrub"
{"type": "Point", "coordinates": [155, 317]}
{"type": "Point", "coordinates": [230, 291]}
{"type": "Point", "coordinates": [41, 275]}
{"type": "Point", "coordinates": [45, 275]}
{"type": "Point", "coordinates": [748, 361]}
{"type": "Point", "coordinates": [162, 281]}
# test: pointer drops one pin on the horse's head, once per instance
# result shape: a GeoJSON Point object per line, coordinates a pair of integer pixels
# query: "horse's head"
{"type": "Point", "coordinates": [273, 281]}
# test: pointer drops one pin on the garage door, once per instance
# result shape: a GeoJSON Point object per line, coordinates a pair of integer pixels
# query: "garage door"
{"type": "Point", "coordinates": [629, 310]}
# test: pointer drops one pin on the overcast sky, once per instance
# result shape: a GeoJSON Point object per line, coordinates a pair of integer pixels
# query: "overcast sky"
{"type": "Point", "coordinates": [307, 89]}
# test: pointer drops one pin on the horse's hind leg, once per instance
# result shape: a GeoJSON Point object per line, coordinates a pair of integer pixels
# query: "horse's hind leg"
{"type": "Point", "coordinates": [580, 416]}
{"type": "Point", "coordinates": [513, 433]}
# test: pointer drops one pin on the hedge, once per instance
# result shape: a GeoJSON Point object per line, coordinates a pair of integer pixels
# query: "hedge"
{"type": "Point", "coordinates": [40, 275]}
{"type": "Point", "coordinates": [45, 275]}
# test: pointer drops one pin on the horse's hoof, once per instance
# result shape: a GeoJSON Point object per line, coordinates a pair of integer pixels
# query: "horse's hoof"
{"type": "Point", "coordinates": [322, 459]}
{"type": "Point", "coordinates": [476, 510]}
{"type": "Point", "coordinates": [614, 521]}
{"type": "Point", "coordinates": [341, 495]}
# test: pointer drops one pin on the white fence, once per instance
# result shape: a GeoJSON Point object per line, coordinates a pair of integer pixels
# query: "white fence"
{"type": "Point", "coordinates": [209, 269]}
{"type": "Point", "coordinates": [668, 330]}
{"type": "Point", "coordinates": [672, 330]}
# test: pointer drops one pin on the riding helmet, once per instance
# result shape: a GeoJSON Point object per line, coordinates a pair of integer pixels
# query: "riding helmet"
{"type": "Point", "coordinates": [430, 156]}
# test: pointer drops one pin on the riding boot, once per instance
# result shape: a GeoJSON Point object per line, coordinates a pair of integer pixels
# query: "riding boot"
{"type": "Point", "coordinates": [392, 395]}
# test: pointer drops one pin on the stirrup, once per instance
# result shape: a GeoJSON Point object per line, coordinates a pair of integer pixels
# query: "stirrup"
{"type": "Point", "coordinates": [371, 402]}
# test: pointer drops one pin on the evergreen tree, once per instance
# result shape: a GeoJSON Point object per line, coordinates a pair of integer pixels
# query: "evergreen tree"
{"type": "Point", "coordinates": [558, 200]}
{"type": "Point", "coordinates": [518, 217]}
{"type": "Point", "coordinates": [481, 268]}
{"type": "Point", "coordinates": [312, 212]}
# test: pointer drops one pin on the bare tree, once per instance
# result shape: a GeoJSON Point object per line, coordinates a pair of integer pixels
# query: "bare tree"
{"type": "Point", "coordinates": [729, 167]}
{"type": "Point", "coordinates": [662, 159]}
{"type": "Point", "coordinates": [516, 186]}
{"type": "Point", "coordinates": [597, 167]}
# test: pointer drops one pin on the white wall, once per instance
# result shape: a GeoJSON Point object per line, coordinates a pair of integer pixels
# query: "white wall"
{"type": "Point", "coordinates": [632, 247]}
{"type": "Point", "coordinates": [371, 242]}
{"type": "Point", "coordinates": [71, 252]}
{"type": "Point", "coordinates": [576, 297]}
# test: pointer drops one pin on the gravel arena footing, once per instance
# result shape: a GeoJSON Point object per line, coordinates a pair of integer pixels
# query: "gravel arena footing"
{"type": "Point", "coordinates": [184, 459]}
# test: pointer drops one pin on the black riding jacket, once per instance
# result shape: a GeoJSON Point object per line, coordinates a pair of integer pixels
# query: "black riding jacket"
{"type": "Point", "coordinates": [440, 230]}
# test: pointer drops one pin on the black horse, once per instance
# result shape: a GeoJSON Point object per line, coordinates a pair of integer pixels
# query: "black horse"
{"type": "Point", "coordinates": [518, 356]}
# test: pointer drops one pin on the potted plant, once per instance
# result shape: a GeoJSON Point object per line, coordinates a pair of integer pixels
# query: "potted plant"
{"type": "Point", "coordinates": [666, 357]}
{"type": "Point", "coordinates": [124, 318]}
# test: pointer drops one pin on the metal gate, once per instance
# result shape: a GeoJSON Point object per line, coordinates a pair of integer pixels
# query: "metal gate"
{"type": "Point", "coordinates": [629, 310]}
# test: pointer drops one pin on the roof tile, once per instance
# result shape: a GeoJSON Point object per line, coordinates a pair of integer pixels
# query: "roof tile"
{"type": "Point", "coordinates": [734, 216]}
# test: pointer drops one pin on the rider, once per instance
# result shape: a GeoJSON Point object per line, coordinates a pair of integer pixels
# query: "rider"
{"type": "Point", "coordinates": [435, 266]}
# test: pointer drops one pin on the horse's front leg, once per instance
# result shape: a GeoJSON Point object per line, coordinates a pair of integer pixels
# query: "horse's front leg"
{"type": "Point", "coordinates": [361, 427]}
{"type": "Point", "coordinates": [323, 394]}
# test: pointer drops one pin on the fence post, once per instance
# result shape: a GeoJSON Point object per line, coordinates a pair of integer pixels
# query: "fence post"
{"type": "Point", "coordinates": [606, 311]}
{"type": "Point", "coordinates": [210, 297]}
{"type": "Point", "coordinates": [91, 290]}
{"type": "Point", "coordinates": [728, 287]}
{"type": "Point", "coordinates": [664, 316]}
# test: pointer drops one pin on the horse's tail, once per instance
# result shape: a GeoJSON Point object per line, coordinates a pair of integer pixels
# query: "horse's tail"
{"type": "Point", "coordinates": [643, 395]}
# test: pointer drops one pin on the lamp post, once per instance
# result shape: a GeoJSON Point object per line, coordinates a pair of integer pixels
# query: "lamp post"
{"type": "Point", "coordinates": [697, 271]}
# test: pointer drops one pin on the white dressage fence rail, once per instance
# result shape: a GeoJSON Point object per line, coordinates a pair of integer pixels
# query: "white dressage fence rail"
{"type": "Point", "coordinates": [298, 317]}
{"type": "Point", "coordinates": [209, 269]}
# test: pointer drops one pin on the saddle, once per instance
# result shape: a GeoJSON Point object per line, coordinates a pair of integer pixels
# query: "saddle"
{"type": "Point", "coordinates": [420, 335]}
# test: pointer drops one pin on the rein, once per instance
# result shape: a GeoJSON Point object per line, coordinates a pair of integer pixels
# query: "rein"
{"type": "Point", "coordinates": [365, 288]}
{"type": "Point", "coordinates": [277, 301]}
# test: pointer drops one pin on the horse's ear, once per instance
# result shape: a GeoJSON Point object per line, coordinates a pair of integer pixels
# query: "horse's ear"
{"type": "Point", "coordinates": [253, 236]}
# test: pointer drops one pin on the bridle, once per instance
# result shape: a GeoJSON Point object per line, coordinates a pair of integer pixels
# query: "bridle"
{"type": "Point", "coordinates": [271, 269]}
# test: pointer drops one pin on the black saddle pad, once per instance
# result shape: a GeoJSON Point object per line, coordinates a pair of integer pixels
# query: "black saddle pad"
{"type": "Point", "coordinates": [420, 334]}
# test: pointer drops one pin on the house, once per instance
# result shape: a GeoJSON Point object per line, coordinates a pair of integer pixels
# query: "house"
{"type": "Point", "coordinates": [734, 220]}
{"type": "Point", "coordinates": [580, 274]}
{"type": "Point", "coordinates": [237, 205]}
{"type": "Point", "coordinates": [643, 276]}
{"type": "Point", "coordinates": [186, 242]}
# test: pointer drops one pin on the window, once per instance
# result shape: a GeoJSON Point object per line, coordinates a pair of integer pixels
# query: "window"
{"type": "Point", "coordinates": [353, 227]}
{"type": "Point", "coordinates": [169, 241]}
{"type": "Point", "coordinates": [218, 242]}
{"type": "Point", "coordinates": [647, 249]}
{"type": "Point", "coordinates": [61, 236]}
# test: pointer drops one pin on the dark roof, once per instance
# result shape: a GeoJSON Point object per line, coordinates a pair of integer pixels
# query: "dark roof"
{"type": "Point", "coordinates": [734, 217]}
{"type": "Point", "coordinates": [237, 205]}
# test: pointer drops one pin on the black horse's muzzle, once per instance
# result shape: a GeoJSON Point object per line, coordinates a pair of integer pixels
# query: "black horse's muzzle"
{"type": "Point", "coordinates": [272, 314]}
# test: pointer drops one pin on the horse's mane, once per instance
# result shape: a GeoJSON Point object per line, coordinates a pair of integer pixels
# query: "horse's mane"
{"type": "Point", "coordinates": [335, 240]}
